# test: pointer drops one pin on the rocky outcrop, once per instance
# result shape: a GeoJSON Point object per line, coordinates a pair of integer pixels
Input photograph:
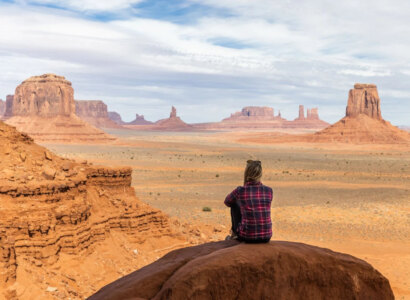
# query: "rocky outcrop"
{"type": "Point", "coordinates": [311, 120]}
{"type": "Point", "coordinates": [53, 209]}
{"type": "Point", "coordinates": [95, 113]}
{"type": "Point", "coordinates": [364, 99]}
{"type": "Point", "coordinates": [2, 107]}
{"type": "Point", "coordinates": [363, 122]}
{"type": "Point", "coordinates": [43, 107]}
{"type": "Point", "coordinates": [232, 270]}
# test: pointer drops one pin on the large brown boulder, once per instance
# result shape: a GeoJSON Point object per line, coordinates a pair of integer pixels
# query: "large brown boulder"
{"type": "Point", "coordinates": [232, 270]}
{"type": "Point", "coordinates": [364, 99]}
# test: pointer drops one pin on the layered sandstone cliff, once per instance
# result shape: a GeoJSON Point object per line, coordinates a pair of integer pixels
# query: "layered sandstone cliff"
{"type": "Point", "coordinates": [233, 270]}
{"type": "Point", "coordinates": [67, 228]}
{"type": "Point", "coordinates": [43, 107]}
{"type": "Point", "coordinates": [94, 112]}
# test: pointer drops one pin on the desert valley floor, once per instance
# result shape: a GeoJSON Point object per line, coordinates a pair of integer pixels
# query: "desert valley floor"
{"type": "Point", "coordinates": [352, 199]}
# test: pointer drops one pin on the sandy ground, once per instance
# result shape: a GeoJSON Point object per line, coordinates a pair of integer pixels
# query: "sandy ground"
{"type": "Point", "coordinates": [352, 199]}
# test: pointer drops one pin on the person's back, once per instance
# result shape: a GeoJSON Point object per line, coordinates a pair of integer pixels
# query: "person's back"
{"type": "Point", "coordinates": [251, 207]}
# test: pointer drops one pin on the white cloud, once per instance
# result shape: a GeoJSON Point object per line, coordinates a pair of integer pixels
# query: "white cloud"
{"type": "Point", "coordinates": [262, 52]}
{"type": "Point", "coordinates": [87, 5]}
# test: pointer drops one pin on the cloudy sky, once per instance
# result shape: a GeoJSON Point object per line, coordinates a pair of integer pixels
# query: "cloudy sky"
{"type": "Point", "coordinates": [210, 58]}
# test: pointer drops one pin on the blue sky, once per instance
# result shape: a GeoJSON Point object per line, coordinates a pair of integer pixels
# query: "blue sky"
{"type": "Point", "coordinates": [210, 58]}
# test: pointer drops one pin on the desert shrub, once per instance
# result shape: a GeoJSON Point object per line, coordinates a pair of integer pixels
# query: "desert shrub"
{"type": "Point", "coordinates": [206, 208]}
{"type": "Point", "coordinates": [217, 175]}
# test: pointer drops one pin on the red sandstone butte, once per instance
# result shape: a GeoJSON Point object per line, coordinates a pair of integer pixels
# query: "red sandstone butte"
{"type": "Point", "coordinates": [43, 107]}
{"type": "Point", "coordinates": [363, 122]}
{"type": "Point", "coordinates": [232, 270]}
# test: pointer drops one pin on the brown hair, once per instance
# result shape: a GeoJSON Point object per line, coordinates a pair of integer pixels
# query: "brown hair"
{"type": "Point", "coordinates": [253, 171]}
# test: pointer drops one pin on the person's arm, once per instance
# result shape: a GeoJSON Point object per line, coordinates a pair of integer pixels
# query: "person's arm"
{"type": "Point", "coordinates": [231, 198]}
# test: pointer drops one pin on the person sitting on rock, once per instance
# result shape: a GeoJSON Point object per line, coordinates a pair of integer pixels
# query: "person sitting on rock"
{"type": "Point", "coordinates": [250, 207]}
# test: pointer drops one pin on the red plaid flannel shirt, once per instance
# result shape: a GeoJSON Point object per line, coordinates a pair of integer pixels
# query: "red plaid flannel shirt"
{"type": "Point", "coordinates": [254, 200]}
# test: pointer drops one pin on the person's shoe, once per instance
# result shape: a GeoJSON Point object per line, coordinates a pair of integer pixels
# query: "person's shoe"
{"type": "Point", "coordinates": [230, 237]}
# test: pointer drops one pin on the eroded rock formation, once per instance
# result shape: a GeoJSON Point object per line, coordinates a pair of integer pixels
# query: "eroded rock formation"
{"type": "Point", "coordinates": [363, 122]}
{"type": "Point", "coordinates": [173, 123]}
{"type": "Point", "coordinates": [301, 113]}
{"type": "Point", "coordinates": [140, 120]}
{"type": "Point", "coordinates": [43, 106]}
{"type": "Point", "coordinates": [256, 117]}
{"type": "Point", "coordinates": [55, 212]}
{"type": "Point", "coordinates": [252, 113]}
{"type": "Point", "coordinates": [364, 99]}
{"type": "Point", "coordinates": [94, 112]}
{"type": "Point", "coordinates": [232, 270]}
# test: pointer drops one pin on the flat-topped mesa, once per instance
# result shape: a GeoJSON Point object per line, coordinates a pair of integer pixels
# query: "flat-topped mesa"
{"type": "Point", "coordinates": [91, 108]}
{"type": "Point", "coordinates": [252, 113]}
{"type": "Point", "coordinates": [257, 111]}
{"type": "Point", "coordinates": [46, 95]}
{"type": "Point", "coordinates": [364, 99]}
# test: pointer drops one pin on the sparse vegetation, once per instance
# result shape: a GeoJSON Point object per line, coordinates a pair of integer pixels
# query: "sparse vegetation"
{"type": "Point", "coordinates": [206, 208]}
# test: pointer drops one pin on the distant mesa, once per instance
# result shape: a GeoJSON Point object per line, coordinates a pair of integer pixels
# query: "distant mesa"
{"type": "Point", "coordinates": [94, 112]}
{"type": "Point", "coordinates": [363, 122]}
{"type": "Point", "coordinates": [262, 117]}
{"type": "Point", "coordinates": [116, 117]}
{"type": "Point", "coordinates": [2, 108]}
{"type": "Point", "coordinates": [43, 107]}
{"type": "Point", "coordinates": [232, 270]}
{"type": "Point", "coordinates": [173, 123]}
{"type": "Point", "coordinates": [252, 113]}
{"type": "Point", "coordinates": [139, 120]}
